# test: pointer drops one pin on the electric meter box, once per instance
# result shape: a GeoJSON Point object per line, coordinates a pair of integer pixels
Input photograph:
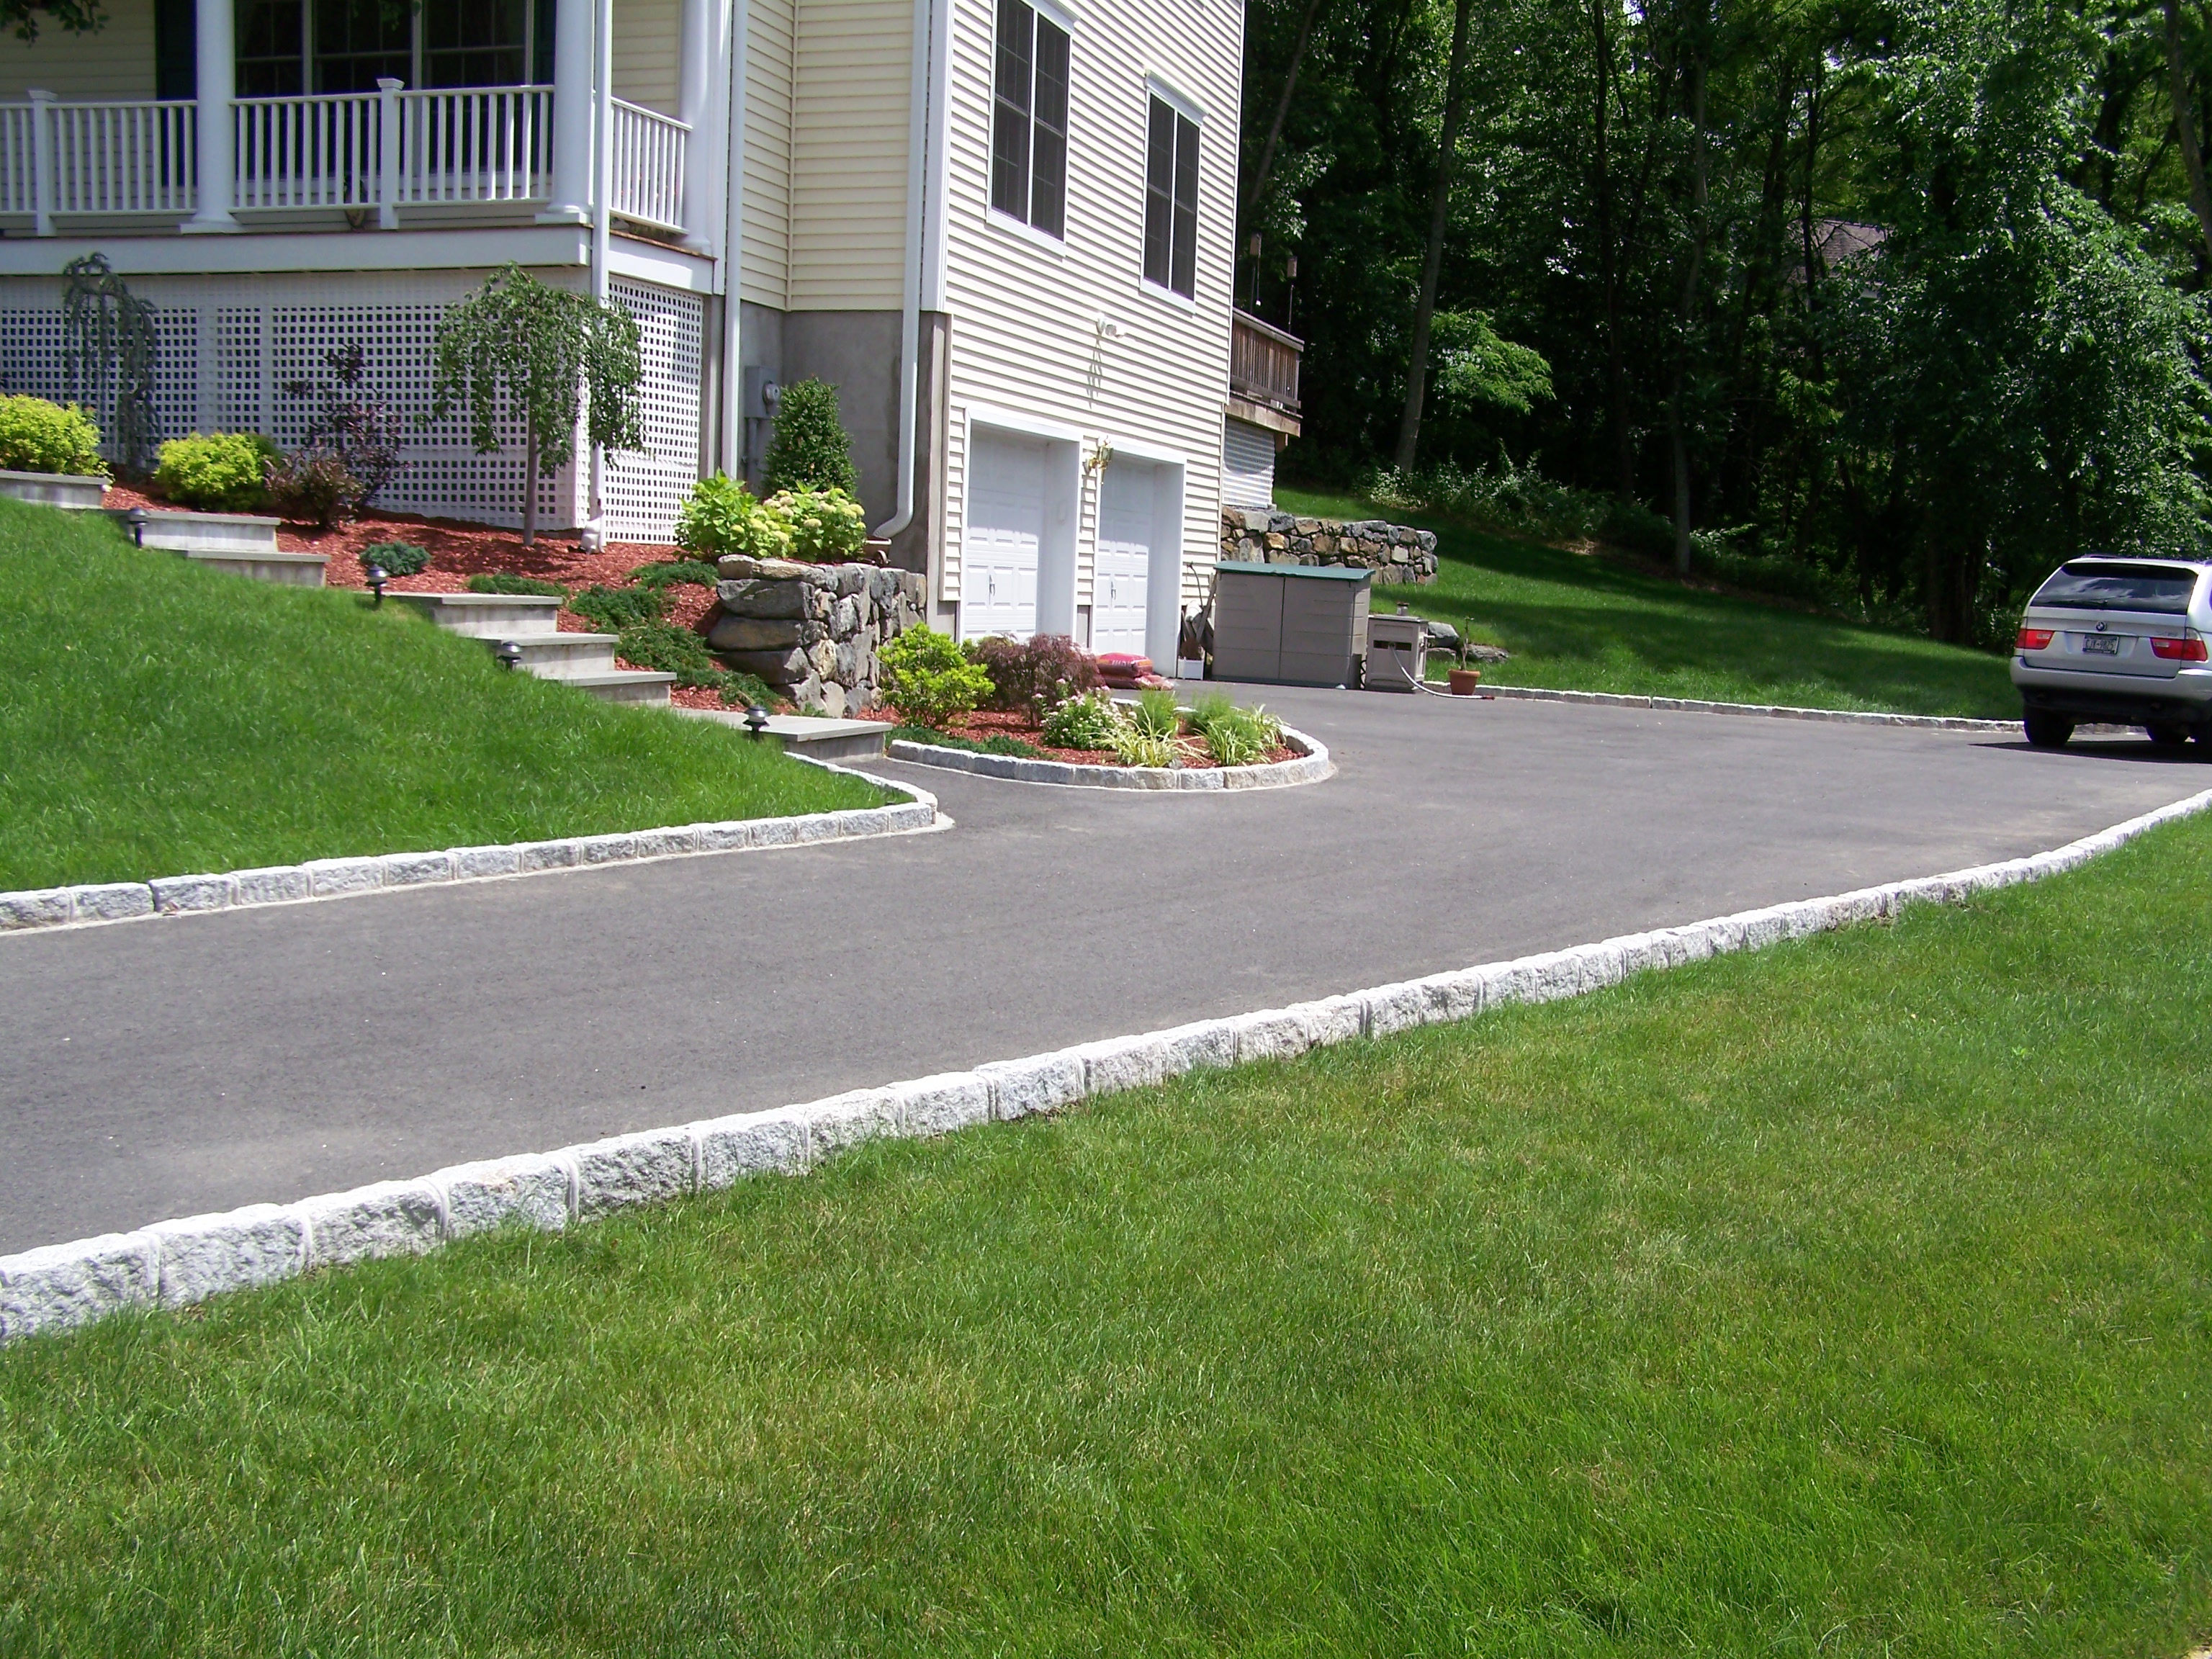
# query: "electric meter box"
{"type": "Point", "coordinates": [1397, 652]}
{"type": "Point", "coordinates": [1288, 624]}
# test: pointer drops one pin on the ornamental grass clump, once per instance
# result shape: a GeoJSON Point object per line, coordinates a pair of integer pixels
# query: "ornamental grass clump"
{"type": "Point", "coordinates": [37, 437]}
{"type": "Point", "coordinates": [928, 679]}
{"type": "Point", "coordinates": [1155, 714]}
{"type": "Point", "coordinates": [721, 517]}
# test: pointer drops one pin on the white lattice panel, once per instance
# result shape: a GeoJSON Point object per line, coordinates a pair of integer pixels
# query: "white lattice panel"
{"type": "Point", "coordinates": [31, 361]}
{"type": "Point", "coordinates": [644, 490]}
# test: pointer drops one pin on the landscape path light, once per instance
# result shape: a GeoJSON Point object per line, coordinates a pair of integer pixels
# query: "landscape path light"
{"type": "Point", "coordinates": [756, 720]}
{"type": "Point", "coordinates": [509, 654]}
{"type": "Point", "coordinates": [377, 577]}
{"type": "Point", "coordinates": [137, 517]}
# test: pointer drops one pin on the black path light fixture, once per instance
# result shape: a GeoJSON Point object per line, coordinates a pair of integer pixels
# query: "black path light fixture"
{"type": "Point", "coordinates": [509, 654]}
{"type": "Point", "coordinates": [137, 517]}
{"type": "Point", "coordinates": [756, 722]}
{"type": "Point", "coordinates": [377, 577]}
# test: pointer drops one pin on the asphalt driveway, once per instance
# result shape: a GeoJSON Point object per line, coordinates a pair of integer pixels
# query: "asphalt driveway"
{"type": "Point", "coordinates": [195, 1063]}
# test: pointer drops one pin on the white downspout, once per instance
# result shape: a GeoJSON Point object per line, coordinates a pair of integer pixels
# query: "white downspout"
{"type": "Point", "coordinates": [602, 218]}
{"type": "Point", "coordinates": [733, 240]}
{"type": "Point", "coordinates": [918, 90]}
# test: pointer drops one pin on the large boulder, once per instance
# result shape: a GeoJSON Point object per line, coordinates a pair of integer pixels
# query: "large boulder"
{"type": "Point", "coordinates": [755, 633]}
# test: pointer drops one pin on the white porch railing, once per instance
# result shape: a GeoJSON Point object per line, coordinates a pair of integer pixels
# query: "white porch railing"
{"type": "Point", "coordinates": [381, 150]}
{"type": "Point", "coordinates": [646, 166]}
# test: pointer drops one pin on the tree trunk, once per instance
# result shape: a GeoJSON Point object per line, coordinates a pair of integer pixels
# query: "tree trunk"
{"type": "Point", "coordinates": [1416, 373]}
{"type": "Point", "coordinates": [1677, 429]}
{"type": "Point", "coordinates": [2184, 125]}
{"type": "Point", "coordinates": [530, 490]}
{"type": "Point", "coordinates": [1616, 367]}
{"type": "Point", "coordinates": [1282, 112]}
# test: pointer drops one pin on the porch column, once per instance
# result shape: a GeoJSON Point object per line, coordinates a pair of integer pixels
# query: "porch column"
{"type": "Point", "coordinates": [214, 89]}
{"type": "Point", "coordinates": [697, 55]}
{"type": "Point", "coordinates": [572, 114]}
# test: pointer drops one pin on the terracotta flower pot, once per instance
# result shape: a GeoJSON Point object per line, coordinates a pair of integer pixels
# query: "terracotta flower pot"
{"type": "Point", "coordinates": [1464, 681]}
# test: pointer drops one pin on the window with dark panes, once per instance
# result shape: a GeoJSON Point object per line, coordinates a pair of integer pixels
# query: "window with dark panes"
{"type": "Point", "coordinates": [476, 43]}
{"type": "Point", "coordinates": [271, 49]}
{"type": "Point", "coordinates": [1029, 120]}
{"type": "Point", "coordinates": [288, 47]}
{"type": "Point", "coordinates": [357, 40]}
{"type": "Point", "coordinates": [1171, 200]}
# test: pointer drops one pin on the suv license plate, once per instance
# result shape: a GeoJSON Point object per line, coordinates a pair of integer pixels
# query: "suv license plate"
{"type": "Point", "coordinates": [2101, 645]}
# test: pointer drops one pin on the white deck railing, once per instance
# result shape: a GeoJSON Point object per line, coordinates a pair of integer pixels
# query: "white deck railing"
{"type": "Point", "coordinates": [381, 150]}
{"type": "Point", "coordinates": [646, 166]}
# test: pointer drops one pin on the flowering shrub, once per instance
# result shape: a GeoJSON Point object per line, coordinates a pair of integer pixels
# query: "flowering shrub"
{"type": "Point", "coordinates": [928, 679]}
{"type": "Point", "coordinates": [37, 437]}
{"type": "Point", "coordinates": [1089, 722]}
{"type": "Point", "coordinates": [721, 516]}
{"type": "Point", "coordinates": [826, 525]}
{"type": "Point", "coordinates": [1022, 671]}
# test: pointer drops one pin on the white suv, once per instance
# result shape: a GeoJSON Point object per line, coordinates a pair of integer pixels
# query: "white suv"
{"type": "Point", "coordinates": [2119, 641]}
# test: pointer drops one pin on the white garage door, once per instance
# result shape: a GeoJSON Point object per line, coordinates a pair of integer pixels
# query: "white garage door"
{"type": "Point", "coordinates": [1005, 527]}
{"type": "Point", "coordinates": [1127, 527]}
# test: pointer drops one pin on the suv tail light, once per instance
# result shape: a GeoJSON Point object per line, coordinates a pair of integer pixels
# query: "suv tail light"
{"type": "Point", "coordinates": [2034, 639]}
{"type": "Point", "coordinates": [2187, 650]}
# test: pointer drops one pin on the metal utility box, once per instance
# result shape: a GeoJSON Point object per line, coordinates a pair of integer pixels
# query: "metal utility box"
{"type": "Point", "coordinates": [1288, 624]}
{"type": "Point", "coordinates": [1397, 652]}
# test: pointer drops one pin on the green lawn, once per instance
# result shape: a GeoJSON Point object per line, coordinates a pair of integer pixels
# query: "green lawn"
{"type": "Point", "coordinates": [1583, 623]}
{"type": "Point", "coordinates": [1852, 1299]}
{"type": "Point", "coordinates": [158, 719]}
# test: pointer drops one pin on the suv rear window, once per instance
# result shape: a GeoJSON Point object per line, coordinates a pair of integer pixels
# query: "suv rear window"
{"type": "Point", "coordinates": [2156, 587]}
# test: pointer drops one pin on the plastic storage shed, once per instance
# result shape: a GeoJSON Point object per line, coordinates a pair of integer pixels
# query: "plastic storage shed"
{"type": "Point", "coordinates": [1288, 624]}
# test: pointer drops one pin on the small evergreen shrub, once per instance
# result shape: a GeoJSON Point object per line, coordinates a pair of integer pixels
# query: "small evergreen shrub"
{"type": "Point", "coordinates": [1024, 671]}
{"type": "Point", "coordinates": [670, 572]}
{"type": "Point", "coordinates": [397, 558]}
{"type": "Point", "coordinates": [721, 516]}
{"type": "Point", "coordinates": [1089, 722]}
{"type": "Point", "coordinates": [809, 449]}
{"type": "Point", "coordinates": [928, 679]}
{"type": "Point", "coordinates": [615, 609]}
{"type": "Point", "coordinates": [219, 472]}
{"type": "Point", "coordinates": [669, 649]}
{"type": "Point", "coordinates": [37, 437]}
{"type": "Point", "coordinates": [826, 525]}
{"type": "Point", "coordinates": [499, 581]}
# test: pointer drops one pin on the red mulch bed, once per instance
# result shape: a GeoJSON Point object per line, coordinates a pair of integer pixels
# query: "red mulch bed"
{"type": "Point", "coordinates": [987, 723]}
{"type": "Point", "coordinates": [458, 551]}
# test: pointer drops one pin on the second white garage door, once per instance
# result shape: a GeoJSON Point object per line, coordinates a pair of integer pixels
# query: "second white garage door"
{"type": "Point", "coordinates": [1128, 525]}
{"type": "Point", "coordinates": [1005, 529]}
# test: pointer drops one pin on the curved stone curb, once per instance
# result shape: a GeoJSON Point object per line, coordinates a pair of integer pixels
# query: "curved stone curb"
{"type": "Point", "coordinates": [174, 1263]}
{"type": "Point", "coordinates": [46, 909]}
{"type": "Point", "coordinates": [1771, 711]}
{"type": "Point", "coordinates": [1311, 767]}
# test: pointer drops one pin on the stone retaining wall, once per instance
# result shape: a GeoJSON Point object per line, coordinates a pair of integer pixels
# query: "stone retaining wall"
{"type": "Point", "coordinates": [1394, 552]}
{"type": "Point", "coordinates": [813, 630]}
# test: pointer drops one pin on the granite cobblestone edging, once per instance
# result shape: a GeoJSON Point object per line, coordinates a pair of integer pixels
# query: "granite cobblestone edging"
{"type": "Point", "coordinates": [1770, 710]}
{"type": "Point", "coordinates": [43, 908]}
{"type": "Point", "coordinates": [173, 1264]}
{"type": "Point", "coordinates": [1310, 767]}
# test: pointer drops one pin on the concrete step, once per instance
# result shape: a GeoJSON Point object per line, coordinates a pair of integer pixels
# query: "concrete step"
{"type": "Point", "coordinates": [811, 735]}
{"type": "Point", "coordinates": [198, 532]}
{"type": "Point", "coordinates": [290, 569]}
{"type": "Point", "coordinates": [624, 685]}
{"type": "Point", "coordinates": [68, 489]}
{"type": "Point", "coordinates": [494, 617]}
{"type": "Point", "coordinates": [563, 656]}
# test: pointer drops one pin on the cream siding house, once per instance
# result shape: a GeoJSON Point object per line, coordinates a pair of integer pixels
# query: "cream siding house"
{"type": "Point", "coordinates": [1002, 228]}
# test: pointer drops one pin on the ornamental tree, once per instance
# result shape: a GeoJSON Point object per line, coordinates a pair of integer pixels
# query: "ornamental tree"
{"type": "Point", "coordinates": [519, 353]}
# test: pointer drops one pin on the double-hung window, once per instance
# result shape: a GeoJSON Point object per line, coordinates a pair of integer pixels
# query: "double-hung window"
{"type": "Point", "coordinates": [1028, 120]}
{"type": "Point", "coordinates": [1171, 200]}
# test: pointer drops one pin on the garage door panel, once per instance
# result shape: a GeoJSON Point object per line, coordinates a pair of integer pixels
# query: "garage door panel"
{"type": "Point", "coordinates": [1004, 536]}
{"type": "Point", "coordinates": [1120, 582]}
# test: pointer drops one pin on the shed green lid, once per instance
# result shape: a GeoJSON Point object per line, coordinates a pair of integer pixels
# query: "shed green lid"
{"type": "Point", "coordinates": [1334, 573]}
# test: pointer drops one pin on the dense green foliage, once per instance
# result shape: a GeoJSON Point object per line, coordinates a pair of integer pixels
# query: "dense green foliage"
{"type": "Point", "coordinates": [397, 558]}
{"type": "Point", "coordinates": [1907, 294]}
{"type": "Point", "coordinates": [928, 679]}
{"type": "Point", "coordinates": [37, 437]}
{"type": "Point", "coordinates": [499, 582]}
{"type": "Point", "coordinates": [808, 448]}
{"type": "Point", "coordinates": [162, 718]}
{"type": "Point", "coordinates": [827, 524]}
{"type": "Point", "coordinates": [721, 516]}
{"type": "Point", "coordinates": [219, 471]}
{"type": "Point", "coordinates": [1847, 1299]}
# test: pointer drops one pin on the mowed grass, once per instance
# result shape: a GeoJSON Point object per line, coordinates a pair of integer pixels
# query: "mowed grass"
{"type": "Point", "coordinates": [1853, 1298]}
{"type": "Point", "coordinates": [1578, 622]}
{"type": "Point", "coordinates": [157, 719]}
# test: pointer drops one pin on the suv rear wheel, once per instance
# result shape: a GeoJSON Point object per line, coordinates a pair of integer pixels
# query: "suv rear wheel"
{"type": "Point", "coordinates": [2046, 730]}
{"type": "Point", "coordinates": [2168, 736]}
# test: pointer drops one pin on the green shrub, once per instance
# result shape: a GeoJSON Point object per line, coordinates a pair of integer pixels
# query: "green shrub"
{"type": "Point", "coordinates": [397, 558]}
{"type": "Point", "coordinates": [221, 471]}
{"type": "Point", "coordinates": [670, 650]}
{"type": "Point", "coordinates": [826, 525]}
{"type": "Point", "coordinates": [810, 450]}
{"type": "Point", "coordinates": [615, 609]}
{"type": "Point", "coordinates": [1042, 666]}
{"type": "Point", "coordinates": [669, 572]}
{"type": "Point", "coordinates": [1135, 747]}
{"type": "Point", "coordinates": [499, 581]}
{"type": "Point", "coordinates": [37, 437]}
{"type": "Point", "coordinates": [313, 483]}
{"type": "Point", "coordinates": [721, 516]}
{"type": "Point", "coordinates": [1089, 722]}
{"type": "Point", "coordinates": [928, 679]}
{"type": "Point", "coordinates": [1155, 714]}
{"type": "Point", "coordinates": [1207, 707]}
